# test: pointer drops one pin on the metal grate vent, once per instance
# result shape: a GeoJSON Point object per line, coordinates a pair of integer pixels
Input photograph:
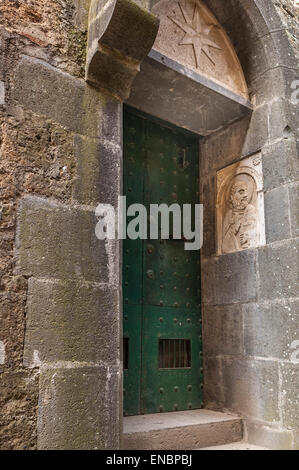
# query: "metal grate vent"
{"type": "Point", "coordinates": [174, 353]}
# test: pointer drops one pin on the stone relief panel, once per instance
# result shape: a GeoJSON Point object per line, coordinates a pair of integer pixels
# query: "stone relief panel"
{"type": "Point", "coordinates": [240, 206]}
{"type": "Point", "coordinates": [190, 34]}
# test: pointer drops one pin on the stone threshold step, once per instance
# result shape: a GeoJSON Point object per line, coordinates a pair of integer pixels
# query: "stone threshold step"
{"type": "Point", "coordinates": [181, 430]}
{"type": "Point", "coordinates": [235, 446]}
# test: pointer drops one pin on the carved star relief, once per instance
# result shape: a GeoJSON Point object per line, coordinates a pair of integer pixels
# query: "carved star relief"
{"type": "Point", "coordinates": [196, 33]}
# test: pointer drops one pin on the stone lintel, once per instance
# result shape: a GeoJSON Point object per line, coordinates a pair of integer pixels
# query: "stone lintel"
{"type": "Point", "coordinates": [177, 94]}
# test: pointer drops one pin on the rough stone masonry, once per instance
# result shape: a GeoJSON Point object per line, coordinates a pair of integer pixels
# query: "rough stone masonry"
{"type": "Point", "coordinates": [60, 155]}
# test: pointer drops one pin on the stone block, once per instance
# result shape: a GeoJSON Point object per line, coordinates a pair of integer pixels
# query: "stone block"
{"type": "Point", "coordinates": [274, 84]}
{"type": "Point", "coordinates": [99, 162]}
{"type": "Point", "coordinates": [18, 404]}
{"type": "Point", "coordinates": [223, 330]}
{"type": "Point", "coordinates": [289, 393]}
{"type": "Point", "coordinates": [223, 11]}
{"type": "Point", "coordinates": [71, 321]}
{"type": "Point", "coordinates": [57, 241]}
{"type": "Point", "coordinates": [278, 270]}
{"type": "Point", "coordinates": [251, 387]}
{"type": "Point", "coordinates": [296, 440]}
{"type": "Point", "coordinates": [230, 278]}
{"type": "Point", "coordinates": [60, 97]}
{"type": "Point", "coordinates": [283, 120]}
{"type": "Point", "coordinates": [266, 14]}
{"type": "Point", "coordinates": [277, 215]}
{"type": "Point", "coordinates": [259, 54]}
{"type": "Point", "coordinates": [121, 35]}
{"type": "Point", "coordinates": [213, 386]}
{"type": "Point", "coordinates": [294, 212]}
{"type": "Point", "coordinates": [270, 328]}
{"type": "Point", "coordinates": [207, 198]}
{"type": "Point", "coordinates": [79, 409]}
{"type": "Point", "coordinates": [280, 163]}
{"type": "Point", "coordinates": [224, 147]}
{"type": "Point", "coordinates": [87, 184]}
{"type": "Point", "coordinates": [271, 438]}
{"type": "Point", "coordinates": [258, 131]}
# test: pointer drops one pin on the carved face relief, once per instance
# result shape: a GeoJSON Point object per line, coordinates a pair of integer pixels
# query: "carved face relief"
{"type": "Point", "coordinates": [240, 207]}
{"type": "Point", "coordinates": [239, 196]}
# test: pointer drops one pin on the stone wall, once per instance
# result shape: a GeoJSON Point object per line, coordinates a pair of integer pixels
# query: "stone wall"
{"type": "Point", "coordinates": [250, 304]}
{"type": "Point", "coordinates": [60, 155]}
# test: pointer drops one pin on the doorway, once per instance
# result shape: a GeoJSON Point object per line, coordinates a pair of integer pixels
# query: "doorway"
{"type": "Point", "coordinates": [162, 339]}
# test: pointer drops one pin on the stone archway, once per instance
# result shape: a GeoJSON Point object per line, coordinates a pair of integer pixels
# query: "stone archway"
{"type": "Point", "coordinates": [231, 282]}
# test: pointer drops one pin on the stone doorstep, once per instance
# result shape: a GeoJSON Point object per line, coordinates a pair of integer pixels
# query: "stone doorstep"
{"type": "Point", "coordinates": [235, 446]}
{"type": "Point", "coordinates": [181, 430]}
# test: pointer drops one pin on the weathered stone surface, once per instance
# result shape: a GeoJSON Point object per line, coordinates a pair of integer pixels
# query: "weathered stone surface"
{"type": "Point", "coordinates": [251, 387]}
{"type": "Point", "coordinates": [258, 131]}
{"type": "Point", "coordinates": [230, 278]}
{"type": "Point", "coordinates": [52, 29]}
{"type": "Point", "coordinates": [68, 321]}
{"type": "Point", "coordinates": [275, 82]}
{"type": "Point", "coordinates": [271, 438]}
{"type": "Point", "coordinates": [12, 313]}
{"type": "Point", "coordinates": [120, 36]}
{"type": "Point", "coordinates": [18, 403]}
{"type": "Point", "coordinates": [99, 162]}
{"type": "Point", "coordinates": [294, 213]}
{"type": "Point", "coordinates": [224, 147]}
{"type": "Point", "coordinates": [226, 67]}
{"type": "Point", "coordinates": [72, 103]}
{"type": "Point", "coordinates": [78, 409]}
{"type": "Point", "coordinates": [110, 171]}
{"type": "Point", "coordinates": [38, 157]}
{"type": "Point", "coordinates": [213, 387]}
{"type": "Point", "coordinates": [278, 267]}
{"type": "Point", "coordinates": [277, 215]}
{"type": "Point", "coordinates": [258, 52]}
{"type": "Point", "coordinates": [223, 330]}
{"type": "Point", "coordinates": [208, 199]}
{"type": "Point", "coordinates": [87, 154]}
{"type": "Point", "coordinates": [283, 119]}
{"type": "Point", "coordinates": [289, 391]}
{"type": "Point", "coordinates": [182, 430]}
{"type": "Point", "coordinates": [220, 10]}
{"type": "Point", "coordinates": [280, 163]}
{"type": "Point", "coordinates": [56, 241]}
{"type": "Point", "coordinates": [270, 328]}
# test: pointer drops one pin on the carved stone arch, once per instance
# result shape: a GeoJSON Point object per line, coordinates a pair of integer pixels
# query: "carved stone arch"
{"type": "Point", "coordinates": [190, 34]}
{"type": "Point", "coordinates": [255, 30]}
{"type": "Point", "coordinates": [262, 44]}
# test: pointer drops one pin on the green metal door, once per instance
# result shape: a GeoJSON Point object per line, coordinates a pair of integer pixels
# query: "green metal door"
{"type": "Point", "coordinates": [161, 281]}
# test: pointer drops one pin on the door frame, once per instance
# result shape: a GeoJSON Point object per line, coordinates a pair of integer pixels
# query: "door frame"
{"type": "Point", "coordinates": [143, 115]}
